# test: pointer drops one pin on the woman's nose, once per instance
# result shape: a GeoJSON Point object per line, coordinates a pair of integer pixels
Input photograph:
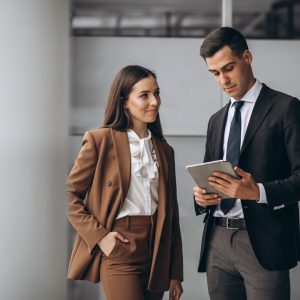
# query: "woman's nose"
{"type": "Point", "coordinates": [155, 100]}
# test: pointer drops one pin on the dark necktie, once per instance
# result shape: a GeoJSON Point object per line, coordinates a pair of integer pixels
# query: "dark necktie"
{"type": "Point", "coordinates": [233, 149]}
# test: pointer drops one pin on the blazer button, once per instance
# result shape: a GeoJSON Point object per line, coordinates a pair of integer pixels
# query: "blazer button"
{"type": "Point", "coordinates": [109, 183]}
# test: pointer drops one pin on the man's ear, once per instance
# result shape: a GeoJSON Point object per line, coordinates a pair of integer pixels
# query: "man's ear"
{"type": "Point", "coordinates": [248, 56]}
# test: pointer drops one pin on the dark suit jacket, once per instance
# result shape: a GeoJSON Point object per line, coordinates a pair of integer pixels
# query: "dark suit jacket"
{"type": "Point", "coordinates": [101, 173]}
{"type": "Point", "coordinates": [271, 153]}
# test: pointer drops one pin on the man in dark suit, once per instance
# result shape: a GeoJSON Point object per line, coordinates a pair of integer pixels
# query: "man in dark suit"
{"type": "Point", "coordinates": [251, 240]}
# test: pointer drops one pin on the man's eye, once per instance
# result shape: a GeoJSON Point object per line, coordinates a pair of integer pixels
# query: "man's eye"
{"type": "Point", "coordinates": [156, 94]}
{"type": "Point", "coordinates": [228, 69]}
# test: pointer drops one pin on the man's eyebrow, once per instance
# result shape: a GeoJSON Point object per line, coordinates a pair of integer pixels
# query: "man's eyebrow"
{"type": "Point", "coordinates": [230, 63]}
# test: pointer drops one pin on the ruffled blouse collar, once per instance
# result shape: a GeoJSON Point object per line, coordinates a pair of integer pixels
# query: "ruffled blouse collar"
{"type": "Point", "coordinates": [142, 154]}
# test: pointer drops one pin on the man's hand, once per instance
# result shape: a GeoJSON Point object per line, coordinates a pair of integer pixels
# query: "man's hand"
{"type": "Point", "coordinates": [175, 289]}
{"type": "Point", "coordinates": [204, 199]}
{"type": "Point", "coordinates": [244, 188]}
{"type": "Point", "coordinates": [108, 242]}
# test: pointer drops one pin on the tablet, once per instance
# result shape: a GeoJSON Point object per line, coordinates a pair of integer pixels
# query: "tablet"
{"type": "Point", "coordinates": [201, 172]}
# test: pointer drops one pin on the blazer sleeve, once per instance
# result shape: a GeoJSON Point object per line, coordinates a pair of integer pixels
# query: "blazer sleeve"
{"type": "Point", "coordinates": [78, 184]}
{"type": "Point", "coordinates": [287, 191]}
{"type": "Point", "coordinates": [176, 265]}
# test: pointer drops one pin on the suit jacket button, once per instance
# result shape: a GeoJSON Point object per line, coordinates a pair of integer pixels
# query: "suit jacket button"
{"type": "Point", "coordinates": [109, 183]}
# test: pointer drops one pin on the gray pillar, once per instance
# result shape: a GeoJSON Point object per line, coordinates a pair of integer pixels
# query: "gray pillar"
{"type": "Point", "coordinates": [34, 76]}
{"type": "Point", "coordinates": [227, 13]}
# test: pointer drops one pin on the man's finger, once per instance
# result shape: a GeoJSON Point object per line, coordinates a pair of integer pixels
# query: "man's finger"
{"type": "Point", "coordinates": [179, 292]}
{"type": "Point", "coordinates": [222, 176]}
{"type": "Point", "coordinates": [171, 294]}
{"type": "Point", "coordinates": [240, 172]}
{"type": "Point", "coordinates": [197, 189]}
{"type": "Point", "coordinates": [219, 183]}
{"type": "Point", "coordinates": [208, 202]}
{"type": "Point", "coordinates": [205, 196]}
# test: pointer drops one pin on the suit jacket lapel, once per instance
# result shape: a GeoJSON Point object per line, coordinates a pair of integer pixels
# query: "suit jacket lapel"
{"type": "Point", "coordinates": [261, 108]}
{"type": "Point", "coordinates": [162, 193]}
{"type": "Point", "coordinates": [122, 150]}
{"type": "Point", "coordinates": [163, 175]}
{"type": "Point", "coordinates": [219, 133]}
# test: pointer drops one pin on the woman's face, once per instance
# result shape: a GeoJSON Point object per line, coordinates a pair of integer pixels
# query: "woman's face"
{"type": "Point", "coordinates": [143, 102]}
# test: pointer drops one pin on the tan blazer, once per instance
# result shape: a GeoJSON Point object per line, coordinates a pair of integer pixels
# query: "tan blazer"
{"type": "Point", "coordinates": [101, 174]}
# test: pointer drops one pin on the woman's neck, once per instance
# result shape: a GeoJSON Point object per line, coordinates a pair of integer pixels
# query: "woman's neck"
{"type": "Point", "coordinates": [142, 132]}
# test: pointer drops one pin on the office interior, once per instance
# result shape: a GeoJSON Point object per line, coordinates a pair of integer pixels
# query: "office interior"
{"type": "Point", "coordinates": [58, 61]}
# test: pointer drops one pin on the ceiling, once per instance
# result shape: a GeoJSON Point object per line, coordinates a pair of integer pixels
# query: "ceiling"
{"type": "Point", "coordinates": [183, 18]}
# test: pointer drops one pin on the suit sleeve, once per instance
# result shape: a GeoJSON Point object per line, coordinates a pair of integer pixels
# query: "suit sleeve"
{"type": "Point", "coordinates": [176, 265]}
{"type": "Point", "coordinates": [78, 184]}
{"type": "Point", "coordinates": [287, 191]}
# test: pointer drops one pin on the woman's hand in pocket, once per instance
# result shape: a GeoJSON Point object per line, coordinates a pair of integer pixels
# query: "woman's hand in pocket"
{"type": "Point", "coordinates": [108, 242]}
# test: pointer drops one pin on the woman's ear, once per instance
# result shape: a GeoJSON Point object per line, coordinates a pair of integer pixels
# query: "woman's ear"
{"type": "Point", "coordinates": [124, 102]}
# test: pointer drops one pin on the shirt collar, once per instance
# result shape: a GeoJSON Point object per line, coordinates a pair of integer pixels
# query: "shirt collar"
{"type": "Point", "coordinates": [132, 134]}
{"type": "Point", "coordinates": [251, 95]}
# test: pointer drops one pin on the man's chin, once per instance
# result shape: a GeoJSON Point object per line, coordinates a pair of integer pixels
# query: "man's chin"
{"type": "Point", "coordinates": [232, 93]}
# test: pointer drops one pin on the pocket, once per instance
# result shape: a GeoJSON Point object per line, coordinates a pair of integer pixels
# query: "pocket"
{"type": "Point", "coordinates": [206, 217]}
{"type": "Point", "coordinates": [267, 130]}
{"type": "Point", "coordinates": [114, 249]}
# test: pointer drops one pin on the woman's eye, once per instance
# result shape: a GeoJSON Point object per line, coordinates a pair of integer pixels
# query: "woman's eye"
{"type": "Point", "coordinates": [144, 96]}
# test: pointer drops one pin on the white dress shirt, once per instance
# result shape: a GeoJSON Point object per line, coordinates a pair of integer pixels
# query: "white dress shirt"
{"type": "Point", "coordinates": [246, 110]}
{"type": "Point", "coordinates": [142, 197]}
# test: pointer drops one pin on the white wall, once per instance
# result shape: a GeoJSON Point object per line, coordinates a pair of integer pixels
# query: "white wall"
{"type": "Point", "coordinates": [188, 92]}
{"type": "Point", "coordinates": [189, 97]}
{"type": "Point", "coordinates": [34, 76]}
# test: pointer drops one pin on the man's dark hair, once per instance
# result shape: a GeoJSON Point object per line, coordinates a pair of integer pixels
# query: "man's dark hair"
{"type": "Point", "coordinates": [221, 37]}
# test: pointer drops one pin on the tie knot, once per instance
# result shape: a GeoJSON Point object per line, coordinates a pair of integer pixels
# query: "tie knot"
{"type": "Point", "coordinates": [238, 104]}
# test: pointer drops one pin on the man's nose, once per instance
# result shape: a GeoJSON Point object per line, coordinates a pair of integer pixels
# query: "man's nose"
{"type": "Point", "coordinates": [224, 79]}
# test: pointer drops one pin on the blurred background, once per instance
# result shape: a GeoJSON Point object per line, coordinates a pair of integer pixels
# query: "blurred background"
{"type": "Point", "coordinates": [58, 59]}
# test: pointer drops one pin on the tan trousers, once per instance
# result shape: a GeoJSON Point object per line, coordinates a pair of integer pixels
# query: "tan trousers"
{"type": "Point", "coordinates": [125, 272]}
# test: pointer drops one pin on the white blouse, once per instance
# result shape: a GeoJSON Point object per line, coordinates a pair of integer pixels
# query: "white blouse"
{"type": "Point", "coordinates": [142, 197]}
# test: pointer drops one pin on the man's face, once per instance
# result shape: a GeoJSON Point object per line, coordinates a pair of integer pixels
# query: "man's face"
{"type": "Point", "coordinates": [232, 73]}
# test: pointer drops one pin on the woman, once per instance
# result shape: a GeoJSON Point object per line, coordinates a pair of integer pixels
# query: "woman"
{"type": "Point", "coordinates": [128, 229]}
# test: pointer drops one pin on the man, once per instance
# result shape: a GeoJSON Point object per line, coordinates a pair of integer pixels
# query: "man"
{"type": "Point", "coordinates": [251, 240]}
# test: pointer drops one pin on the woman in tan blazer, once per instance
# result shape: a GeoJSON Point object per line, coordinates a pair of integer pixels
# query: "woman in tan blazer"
{"type": "Point", "coordinates": [122, 198]}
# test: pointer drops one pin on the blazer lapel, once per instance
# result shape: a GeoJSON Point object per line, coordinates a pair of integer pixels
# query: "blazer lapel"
{"type": "Point", "coordinates": [261, 108]}
{"type": "Point", "coordinates": [162, 193]}
{"type": "Point", "coordinates": [219, 133]}
{"type": "Point", "coordinates": [163, 175]}
{"type": "Point", "coordinates": [122, 150]}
